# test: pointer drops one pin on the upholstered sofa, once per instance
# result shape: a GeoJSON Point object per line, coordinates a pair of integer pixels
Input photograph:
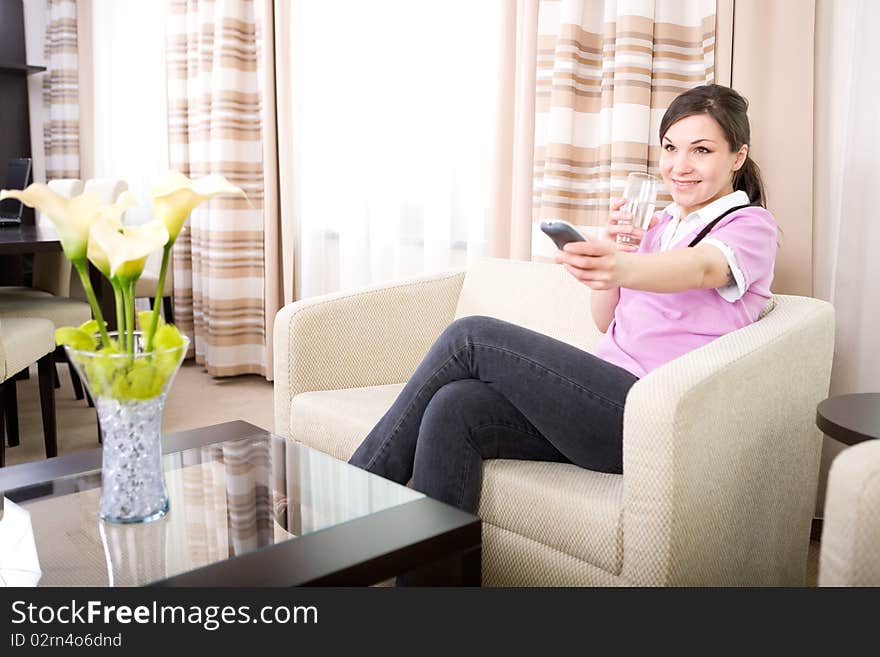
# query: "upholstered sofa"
{"type": "Point", "coordinates": [721, 454]}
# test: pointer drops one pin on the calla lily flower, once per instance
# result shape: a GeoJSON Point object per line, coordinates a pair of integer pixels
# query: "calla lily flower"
{"type": "Point", "coordinates": [112, 213]}
{"type": "Point", "coordinates": [89, 229]}
{"type": "Point", "coordinates": [127, 247]}
{"type": "Point", "coordinates": [72, 217]}
{"type": "Point", "coordinates": [176, 196]}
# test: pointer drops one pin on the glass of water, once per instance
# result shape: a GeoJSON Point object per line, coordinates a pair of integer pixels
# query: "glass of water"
{"type": "Point", "coordinates": [640, 194]}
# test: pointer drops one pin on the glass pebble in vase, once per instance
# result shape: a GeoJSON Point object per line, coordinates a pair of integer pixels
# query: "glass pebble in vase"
{"type": "Point", "coordinates": [129, 386]}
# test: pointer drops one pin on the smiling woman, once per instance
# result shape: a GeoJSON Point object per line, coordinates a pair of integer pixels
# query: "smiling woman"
{"type": "Point", "coordinates": [490, 389]}
{"type": "Point", "coordinates": [705, 141]}
{"type": "Point", "coordinates": [698, 171]}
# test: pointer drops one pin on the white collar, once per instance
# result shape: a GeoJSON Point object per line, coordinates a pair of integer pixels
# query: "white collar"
{"type": "Point", "coordinates": [715, 209]}
{"type": "Point", "coordinates": [676, 229]}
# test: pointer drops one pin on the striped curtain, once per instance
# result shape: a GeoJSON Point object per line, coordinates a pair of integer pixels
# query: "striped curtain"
{"type": "Point", "coordinates": [214, 105]}
{"type": "Point", "coordinates": [61, 91]}
{"type": "Point", "coordinates": [606, 72]}
{"type": "Point", "coordinates": [249, 496]}
{"type": "Point", "coordinates": [226, 505]}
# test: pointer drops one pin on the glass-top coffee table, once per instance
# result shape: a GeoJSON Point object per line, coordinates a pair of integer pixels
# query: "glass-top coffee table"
{"type": "Point", "coordinates": [248, 508]}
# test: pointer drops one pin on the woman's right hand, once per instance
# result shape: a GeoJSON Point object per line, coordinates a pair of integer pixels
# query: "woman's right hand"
{"type": "Point", "coordinates": [620, 222]}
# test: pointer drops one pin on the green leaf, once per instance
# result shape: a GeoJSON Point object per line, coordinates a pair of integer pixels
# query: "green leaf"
{"type": "Point", "coordinates": [75, 338]}
{"type": "Point", "coordinates": [145, 317]}
{"type": "Point", "coordinates": [111, 373]}
{"type": "Point", "coordinates": [90, 327]}
{"type": "Point", "coordinates": [141, 381]}
{"type": "Point", "coordinates": [167, 337]}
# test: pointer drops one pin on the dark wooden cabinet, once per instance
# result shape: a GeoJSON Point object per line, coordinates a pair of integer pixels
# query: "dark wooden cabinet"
{"type": "Point", "coordinates": [15, 131]}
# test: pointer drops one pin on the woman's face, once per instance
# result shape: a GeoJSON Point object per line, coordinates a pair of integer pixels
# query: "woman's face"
{"type": "Point", "coordinates": [696, 162]}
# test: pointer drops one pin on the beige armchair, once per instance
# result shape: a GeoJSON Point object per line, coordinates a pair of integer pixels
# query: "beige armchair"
{"type": "Point", "coordinates": [850, 551]}
{"type": "Point", "coordinates": [721, 454]}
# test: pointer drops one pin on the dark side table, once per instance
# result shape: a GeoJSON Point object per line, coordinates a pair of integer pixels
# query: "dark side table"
{"type": "Point", "coordinates": [850, 419]}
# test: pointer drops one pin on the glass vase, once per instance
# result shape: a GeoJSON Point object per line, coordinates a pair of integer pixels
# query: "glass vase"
{"type": "Point", "coordinates": [129, 388]}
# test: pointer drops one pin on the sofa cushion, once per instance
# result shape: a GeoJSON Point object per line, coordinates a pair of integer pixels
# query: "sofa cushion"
{"type": "Point", "coordinates": [576, 511]}
{"type": "Point", "coordinates": [24, 341]}
{"type": "Point", "coordinates": [541, 297]}
{"type": "Point", "coordinates": [573, 510]}
{"type": "Point", "coordinates": [61, 311]}
{"type": "Point", "coordinates": [336, 421]}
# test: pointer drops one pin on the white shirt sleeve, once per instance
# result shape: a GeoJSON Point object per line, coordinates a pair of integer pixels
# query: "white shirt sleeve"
{"type": "Point", "coordinates": [733, 292]}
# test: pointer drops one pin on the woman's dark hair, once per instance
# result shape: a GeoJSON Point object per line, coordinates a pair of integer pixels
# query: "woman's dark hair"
{"type": "Point", "coordinates": [728, 109]}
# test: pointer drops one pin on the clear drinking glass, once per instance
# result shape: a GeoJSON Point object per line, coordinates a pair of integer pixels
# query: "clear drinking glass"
{"type": "Point", "coordinates": [640, 194]}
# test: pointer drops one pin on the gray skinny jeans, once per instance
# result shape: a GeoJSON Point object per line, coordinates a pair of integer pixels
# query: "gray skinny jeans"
{"type": "Point", "coordinates": [488, 389]}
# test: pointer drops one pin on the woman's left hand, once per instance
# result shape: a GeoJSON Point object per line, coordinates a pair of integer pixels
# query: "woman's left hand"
{"type": "Point", "coordinates": [599, 264]}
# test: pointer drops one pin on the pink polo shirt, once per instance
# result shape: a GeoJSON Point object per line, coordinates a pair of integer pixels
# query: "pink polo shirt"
{"type": "Point", "coordinates": [649, 329]}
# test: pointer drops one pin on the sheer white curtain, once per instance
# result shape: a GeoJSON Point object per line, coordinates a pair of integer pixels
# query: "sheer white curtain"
{"type": "Point", "coordinates": [847, 172]}
{"type": "Point", "coordinates": [130, 120]}
{"type": "Point", "coordinates": [392, 110]}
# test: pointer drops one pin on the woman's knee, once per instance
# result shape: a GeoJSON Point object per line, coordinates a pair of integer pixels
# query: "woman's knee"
{"type": "Point", "coordinates": [472, 326]}
{"type": "Point", "coordinates": [455, 411]}
{"type": "Point", "coordinates": [447, 408]}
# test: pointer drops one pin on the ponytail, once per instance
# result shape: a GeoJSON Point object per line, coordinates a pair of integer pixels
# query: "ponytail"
{"type": "Point", "coordinates": [748, 179]}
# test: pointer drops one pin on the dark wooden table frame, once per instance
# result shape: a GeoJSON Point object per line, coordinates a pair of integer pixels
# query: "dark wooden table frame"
{"type": "Point", "coordinates": [433, 543]}
{"type": "Point", "coordinates": [25, 238]}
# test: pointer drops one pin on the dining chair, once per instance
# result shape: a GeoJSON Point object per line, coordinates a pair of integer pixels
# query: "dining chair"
{"type": "Point", "coordinates": [24, 341]}
{"type": "Point", "coordinates": [48, 296]}
{"type": "Point", "coordinates": [107, 189]}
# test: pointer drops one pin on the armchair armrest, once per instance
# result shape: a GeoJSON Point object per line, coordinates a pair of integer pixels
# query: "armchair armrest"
{"type": "Point", "coordinates": [366, 338]}
{"type": "Point", "coordinates": [721, 454]}
{"type": "Point", "coordinates": [851, 535]}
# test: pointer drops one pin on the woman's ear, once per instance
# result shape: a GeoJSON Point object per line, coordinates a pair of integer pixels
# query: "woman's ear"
{"type": "Point", "coordinates": [741, 157]}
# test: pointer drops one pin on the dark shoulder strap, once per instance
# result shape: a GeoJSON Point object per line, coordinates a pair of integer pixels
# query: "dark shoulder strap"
{"type": "Point", "coordinates": [711, 224]}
